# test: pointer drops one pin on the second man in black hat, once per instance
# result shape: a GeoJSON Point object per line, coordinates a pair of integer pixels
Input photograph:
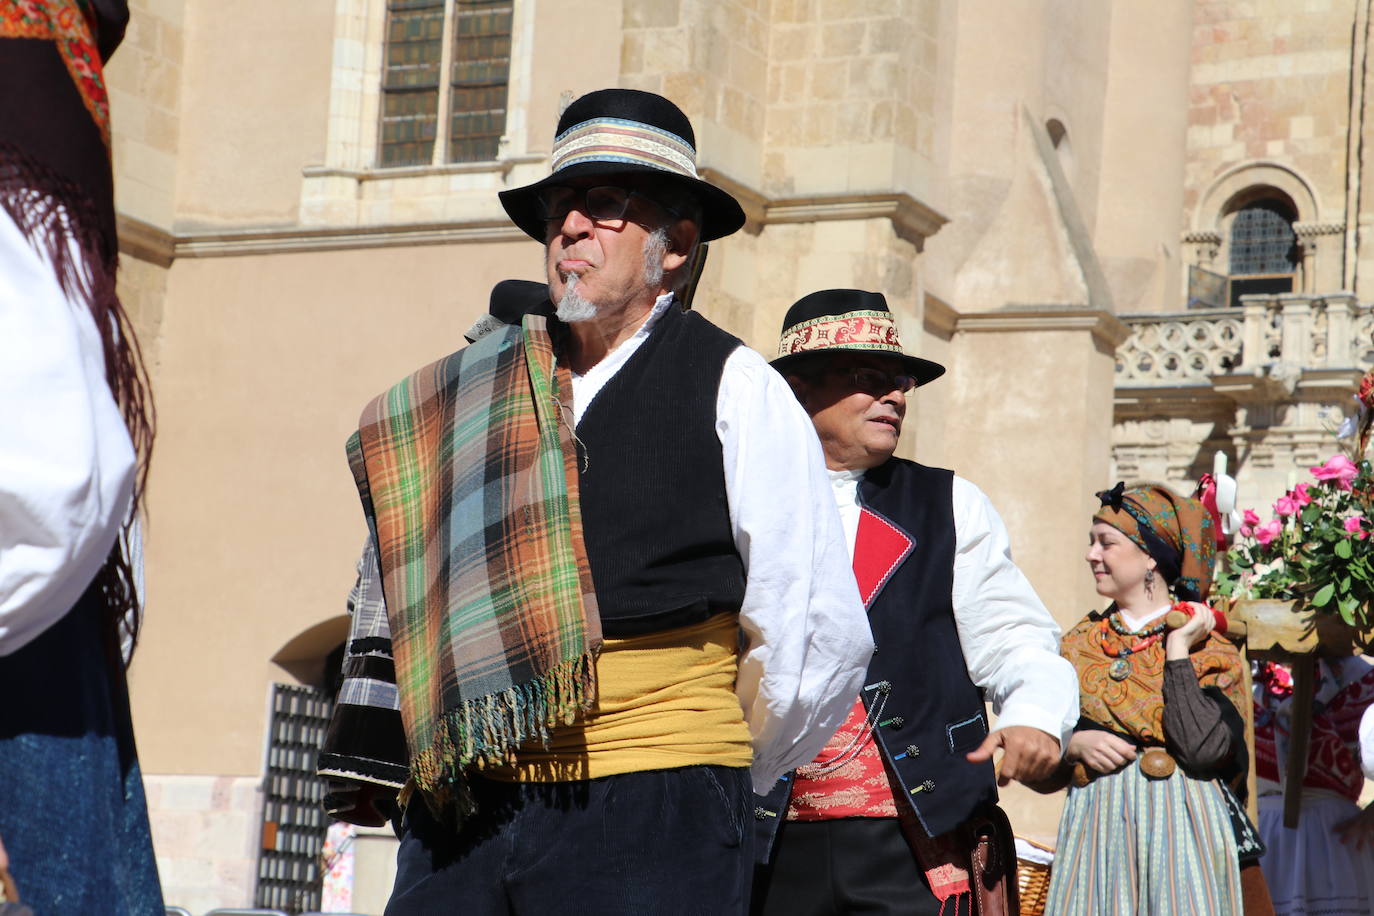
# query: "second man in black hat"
{"type": "Point", "coordinates": [898, 813]}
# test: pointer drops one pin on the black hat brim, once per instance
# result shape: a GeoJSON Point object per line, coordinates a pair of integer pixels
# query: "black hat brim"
{"type": "Point", "coordinates": [923, 371]}
{"type": "Point", "coordinates": [721, 214]}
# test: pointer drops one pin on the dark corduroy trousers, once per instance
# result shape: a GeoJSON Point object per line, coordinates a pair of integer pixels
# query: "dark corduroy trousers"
{"type": "Point", "coordinates": [666, 842]}
{"type": "Point", "coordinates": [856, 865]}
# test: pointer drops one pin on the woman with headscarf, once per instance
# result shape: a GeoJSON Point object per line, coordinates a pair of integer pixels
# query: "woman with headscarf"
{"type": "Point", "coordinates": [1147, 828]}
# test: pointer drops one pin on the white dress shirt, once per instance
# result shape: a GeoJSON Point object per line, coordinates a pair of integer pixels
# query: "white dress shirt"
{"type": "Point", "coordinates": [66, 460]}
{"type": "Point", "coordinates": [1009, 639]}
{"type": "Point", "coordinates": [807, 641]}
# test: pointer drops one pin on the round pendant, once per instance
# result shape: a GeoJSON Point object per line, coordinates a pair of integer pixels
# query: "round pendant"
{"type": "Point", "coordinates": [1119, 670]}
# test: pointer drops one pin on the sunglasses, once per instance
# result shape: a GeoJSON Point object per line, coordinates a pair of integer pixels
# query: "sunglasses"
{"type": "Point", "coordinates": [604, 203]}
{"type": "Point", "coordinates": [876, 381]}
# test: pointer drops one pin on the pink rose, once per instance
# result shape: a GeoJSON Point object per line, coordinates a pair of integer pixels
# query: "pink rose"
{"type": "Point", "coordinates": [1338, 468]}
{"type": "Point", "coordinates": [1265, 534]}
{"type": "Point", "coordinates": [1300, 495]}
{"type": "Point", "coordinates": [1286, 506]}
{"type": "Point", "coordinates": [1353, 525]}
{"type": "Point", "coordinates": [1250, 518]}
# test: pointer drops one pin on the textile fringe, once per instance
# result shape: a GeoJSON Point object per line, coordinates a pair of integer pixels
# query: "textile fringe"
{"type": "Point", "coordinates": [52, 212]}
{"type": "Point", "coordinates": [489, 728]}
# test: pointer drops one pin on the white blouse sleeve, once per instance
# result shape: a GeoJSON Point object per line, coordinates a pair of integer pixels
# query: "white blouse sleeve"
{"type": "Point", "coordinates": [1010, 641]}
{"type": "Point", "coordinates": [66, 460]}
{"type": "Point", "coordinates": [807, 642]}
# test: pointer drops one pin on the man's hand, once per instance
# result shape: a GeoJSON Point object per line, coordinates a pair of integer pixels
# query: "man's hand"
{"type": "Point", "coordinates": [1028, 754]}
{"type": "Point", "coordinates": [1099, 750]}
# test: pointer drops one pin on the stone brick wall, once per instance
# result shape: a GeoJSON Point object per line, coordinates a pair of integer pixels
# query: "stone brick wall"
{"type": "Point", "coordinates": [145, 94]}
{"type": "Point", "coordinates": [1270, 81]}
{"type": "Point", "coordinates": [205, 831]}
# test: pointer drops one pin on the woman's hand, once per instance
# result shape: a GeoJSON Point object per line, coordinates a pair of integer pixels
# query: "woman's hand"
{"type": "Point", "coordinates": [1102, 751]}
{"type": "Point", "coordinates": [1181, 641]}
{"type": "Point", "coordinates": [1358, 829]}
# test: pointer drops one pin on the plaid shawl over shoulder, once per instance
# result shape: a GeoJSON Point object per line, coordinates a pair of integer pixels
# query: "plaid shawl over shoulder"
{"type": "Point", "coordinates": [467, 474]}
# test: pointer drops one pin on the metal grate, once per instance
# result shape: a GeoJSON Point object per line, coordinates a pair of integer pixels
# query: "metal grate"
{"type": "Point", "coordinates": [1262, 241]}
{"type": "Point", "coordinates": [480, 73]}
{"type": "Point", "coordinates": [293, 822]}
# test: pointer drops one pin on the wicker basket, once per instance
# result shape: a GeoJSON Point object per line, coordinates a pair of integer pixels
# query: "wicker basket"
{"type": "Point", "coordinates": [1033, 880]}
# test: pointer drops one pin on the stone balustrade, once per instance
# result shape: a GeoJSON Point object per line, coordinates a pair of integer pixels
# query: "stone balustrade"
{"type": "Point", "coordinates": [1268, 335]}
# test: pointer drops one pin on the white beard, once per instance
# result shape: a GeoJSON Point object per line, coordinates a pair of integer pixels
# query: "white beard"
{"type": "Point", "coordinates": [572, 307]}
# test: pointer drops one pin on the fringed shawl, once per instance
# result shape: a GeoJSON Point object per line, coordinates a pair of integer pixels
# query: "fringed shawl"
{"type": "Point", "coordinates": [467, 473]}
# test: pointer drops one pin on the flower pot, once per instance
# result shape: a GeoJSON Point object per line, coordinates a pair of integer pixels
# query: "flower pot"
{"type": "Point", "coordinates": [1284, 630]}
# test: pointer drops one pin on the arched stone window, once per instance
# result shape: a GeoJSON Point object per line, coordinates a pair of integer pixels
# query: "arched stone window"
{"type": "Point", "coordinates": [1264, 254]}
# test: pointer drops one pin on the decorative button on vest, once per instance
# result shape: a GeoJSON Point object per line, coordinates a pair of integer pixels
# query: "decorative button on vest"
{"type": "Point", "coordinates": [760, 813]}
{"type": "Point", "coordinates": [927, 786]}
{"type": "Point", "coordinates": [894, 722]}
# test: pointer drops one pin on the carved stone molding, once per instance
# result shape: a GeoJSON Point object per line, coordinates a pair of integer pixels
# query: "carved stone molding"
{"type": "Point", "coordinates": [1308, 230]}
{"type": "Point", "coordinates": [1203, 237]}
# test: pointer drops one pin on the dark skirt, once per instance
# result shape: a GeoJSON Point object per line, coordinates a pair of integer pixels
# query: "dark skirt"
{"type": "Point", "coordinates": [72, 813]}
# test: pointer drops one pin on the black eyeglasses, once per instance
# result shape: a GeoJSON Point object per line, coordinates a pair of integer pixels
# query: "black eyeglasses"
{"type": "Point", "coordinates": [876, 381]}
{"type": "Point", "coordinates": [604, 203]}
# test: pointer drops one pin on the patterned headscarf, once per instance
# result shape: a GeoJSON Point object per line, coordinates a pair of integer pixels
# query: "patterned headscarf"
{"type": "Point", "coordinates": [1175, 530]}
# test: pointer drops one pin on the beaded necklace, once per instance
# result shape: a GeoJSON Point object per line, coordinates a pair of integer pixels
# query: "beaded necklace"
{"type": "Point", "coordinates": [1121, 668]}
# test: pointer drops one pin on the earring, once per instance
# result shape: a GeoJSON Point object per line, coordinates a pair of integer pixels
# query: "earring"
{"type": "Point", "coordinates": [1150, 583]}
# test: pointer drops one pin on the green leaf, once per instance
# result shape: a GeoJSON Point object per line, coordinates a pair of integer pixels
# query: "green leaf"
{"type": "Point", "coordinates": [1323, 596]}
{"type": "Point", "coordinates": [1348, 606]}
{"type": "Point", "coordinates": [1311, 513]}
{"type": "Point", "coordinates": [1343, 549]}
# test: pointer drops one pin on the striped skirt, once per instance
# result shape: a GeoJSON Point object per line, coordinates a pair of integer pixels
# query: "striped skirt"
{"type": "Point", "coordinates": [1134, 846]}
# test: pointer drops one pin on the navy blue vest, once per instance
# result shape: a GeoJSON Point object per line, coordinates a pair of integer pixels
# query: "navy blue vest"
{"type": "Point", "coordinates": [652, 480]}
{"type": "Point", "coordinates": [932, 714]}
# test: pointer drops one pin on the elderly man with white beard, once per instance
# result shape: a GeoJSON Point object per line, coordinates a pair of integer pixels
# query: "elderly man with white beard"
{"type": "Point", "coordinates": [605, 590]}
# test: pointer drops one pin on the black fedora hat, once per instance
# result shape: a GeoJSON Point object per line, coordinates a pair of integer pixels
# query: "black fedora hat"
{"type": "Point", "coordinates": [835, 321]}
{"type": "Point", "coordinates": [626, 132]}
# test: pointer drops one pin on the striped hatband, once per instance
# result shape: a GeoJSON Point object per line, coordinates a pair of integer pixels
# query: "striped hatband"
{"type": "Point", "coordinates": [618, 140]}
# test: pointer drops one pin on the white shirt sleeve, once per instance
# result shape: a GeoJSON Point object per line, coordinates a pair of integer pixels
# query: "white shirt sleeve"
{"type": "Point", "coordinates": [1010, 641]}
{"type": "Point", "coordinates": [66, 460]}
{"type": "Point", "coordinates": [807, 643]}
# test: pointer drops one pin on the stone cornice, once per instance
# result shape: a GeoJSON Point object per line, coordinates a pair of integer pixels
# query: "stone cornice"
{"type": "Point", "coordinates": [275, 241]}
{"type": "Point", "coordinates": [1103, 325]}
{"type": "Point", "coordinates": [910, 218]}
{"type": "Point", "coordinates": [145, 241]}
{"type": "Point", "coordinates": [939, 317]}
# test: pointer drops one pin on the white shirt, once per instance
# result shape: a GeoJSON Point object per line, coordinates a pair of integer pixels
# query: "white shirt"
{"type": "Point", "coordinates": [1009, 639]}
{"type": "Point", "coordinates": [66, 460]}
{"type": "Point", "coordinates": [807, 641]}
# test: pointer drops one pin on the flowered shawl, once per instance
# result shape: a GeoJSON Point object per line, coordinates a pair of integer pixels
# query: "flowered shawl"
{"type": "Point", "coordinates": [73, 26]}
{"type": "Point", "coordinates": [1135, 706]}
{"type": "Point", "coordinates": [467, 473]}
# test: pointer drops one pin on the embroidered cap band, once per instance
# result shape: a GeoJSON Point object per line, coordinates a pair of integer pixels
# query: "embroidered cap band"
{"type": "Point", "coordinates": [618, 140]}
{"type": "Point", "coordinates": [864, 330]}
{"type": "Point", "coordinates": [832, 322]}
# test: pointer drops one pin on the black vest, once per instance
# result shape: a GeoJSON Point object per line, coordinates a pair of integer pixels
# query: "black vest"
{"type": "Point", "coordinates": [654, 514]}
{"type": "Point", "coordinates": [932, 713]}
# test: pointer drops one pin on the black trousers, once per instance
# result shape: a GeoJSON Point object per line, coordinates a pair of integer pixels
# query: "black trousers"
{"type": "Point", "coordinates": [664, 842]}
{"type": "Point", "coordinates": [841, 867]}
